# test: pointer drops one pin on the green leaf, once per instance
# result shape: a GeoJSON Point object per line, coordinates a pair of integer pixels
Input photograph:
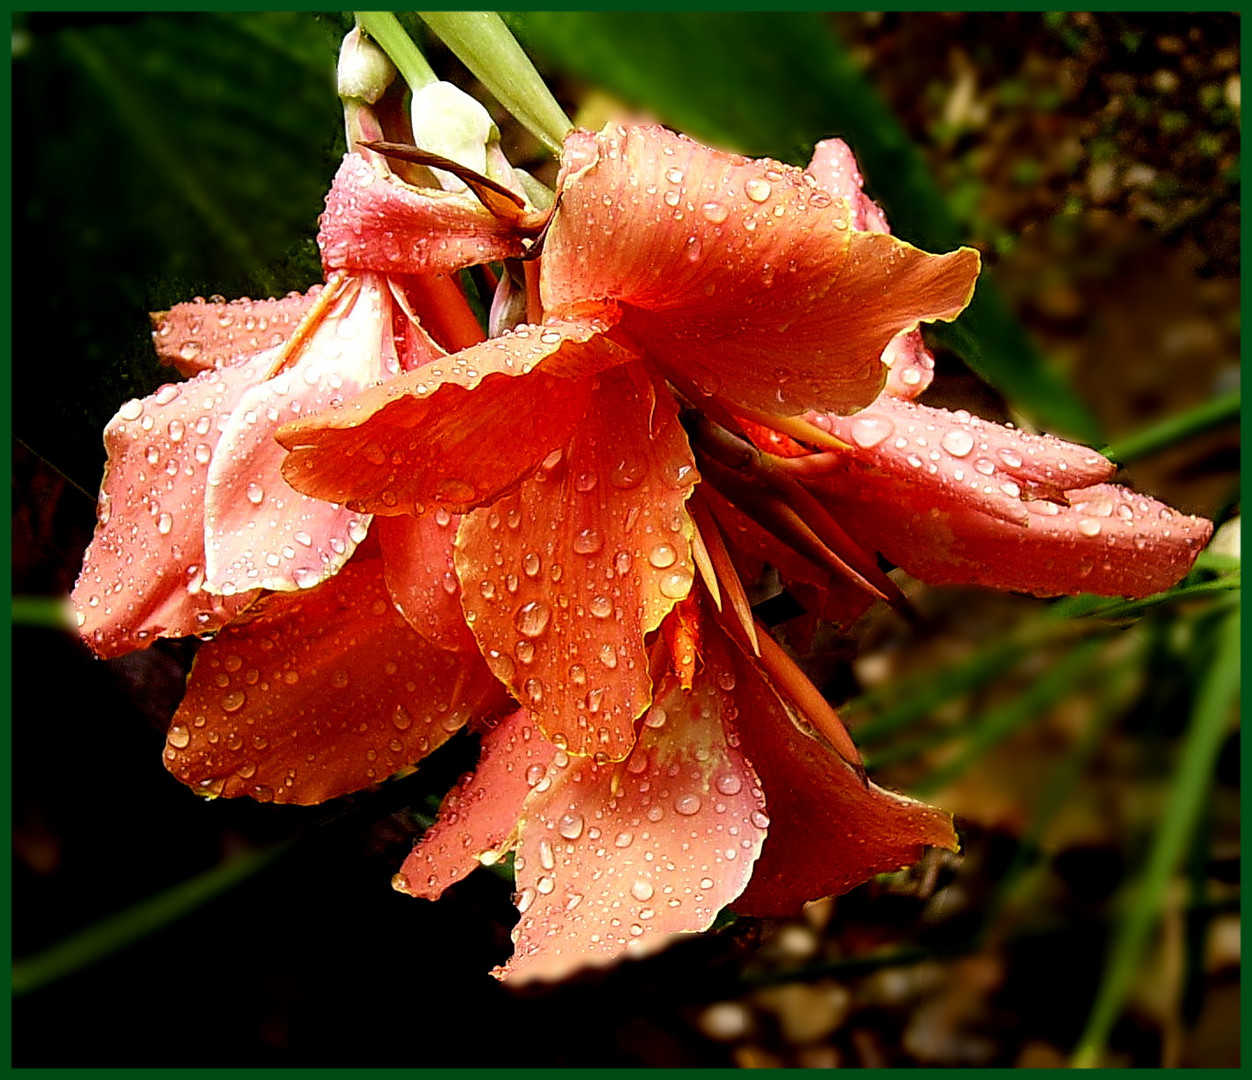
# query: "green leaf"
{"type": "Point", "coordinates": [774, 84]}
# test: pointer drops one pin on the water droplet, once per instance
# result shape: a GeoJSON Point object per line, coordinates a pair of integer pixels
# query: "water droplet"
{"type": "Point", "coordinates": [531, 564]}
{"type": "Point", "coordinates": [671, 198]}
{"type": "Point", "coordinates": [655, 717]}
{"type": "Point", "coordinates": [532, 618]}
{"type": "Point", "coordinates": [757, 189]}
{"type": "Point", "coordinates": [626, 474]}
{"type": "Point", "coordinates": [588, 541]}
{"type": "Point", "coordinates": [202, 453]}
{"type": "Point", "coordinates": [984, 466]}
{"type": "Point", "coordinates": [662, 555]}
{"type": "Point", "coordinates": [868, 431]}
{"type": "Point", "coordinates": [487, 587]}
{"type": "Point", "coordinates": [256, 494]}
{"type": "Point", "coordinates": [524, 899]}
{"type": "Point", "coordinates": [179, 736]}
{"type": "Point", "coordinates": [642, 890]}
{"type": "Point", "coordinates": [547, 859]}
{"type": "Point", "coordinates": [675, 584]}
{"type": "Point", "coordinates": [714, 212]}
{"type": "Point", "coordinates": [571, 825]}
{"type": "Point", "coordinates": [164, 524]}
{"type": "Point", "coordinates": [1089, 527]}
{"type": "Point", "coordinates": [608, 656]}
{"type": "Point", "coordinates": [674, 176]}
{"type": "Point", "coordinates": [233, 701]}
{"type": "Point", "coordinates": [357, 530]}
{"type": "Point", "coordinates": [578, 674]}
{"type": "Point", "coordinates": [189, 350]}
{"type": "Point", "coordinates": [958, 442]}
{"type": "Point", "coordinates": [1010, 457]}
{"type": "Point", "coordinates": [759, 818]}
{"type": "Point", "coordinates": [623, 840]}
{"type": "Point", "coordinates": [402, 718]}
{"type": "Point", "coordinates": [687, 805]}
{"type": "Point", "coordinates": [534, 774]}
{"type": "Point", "coordinates": [601, 607]}
{"type": "Point", "coordinates": [729, 784]}
{"type": "Point", "coordinates": [534, 691]}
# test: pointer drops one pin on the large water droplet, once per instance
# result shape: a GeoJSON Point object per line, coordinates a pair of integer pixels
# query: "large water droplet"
{"type": "Point", "coordinates": [675, 584]}
{"type": "Point", "coordinates": [687, 805]}
{"type": "Point", "coordinates": [714, 212]}
{"type": "Point", "coordinates": [256, 494]}
{"type": "Point", "coordinates": [868, 431]}
{"type": "Point", "coordinates": [757, 189]}
{"type": "Point", "coordinates": [642, 890]}
{"type": "Point", "coordinates": [179, 736]}
{"type": "Point", "coordinates": [662, 555]}
{"type": "Point", "coordinates": [571, 825]}
{"type": "Point", "coordinates": [729, 784]}
{"type": "Point", "coordinates": [588, 541]}
{"type": "Point", "coordinates": [958, 442]}
{"type": "Point", "coordinates": [233, 700]}
{"type": "Point", "coordinates": [532, 618]}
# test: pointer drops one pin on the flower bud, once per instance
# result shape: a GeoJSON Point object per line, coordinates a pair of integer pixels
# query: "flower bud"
{"type": "Point", "coordinates": [364, 70]}
{"type": "Point", "coordinates": [447, 121]}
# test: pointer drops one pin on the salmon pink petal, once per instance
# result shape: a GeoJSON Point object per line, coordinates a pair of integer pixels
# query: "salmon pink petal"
{"type": "Point", "coordinates": [562, 580]}
{"type": "Point", "coordinates": [1001, 508]}
{"type": "Point", "coordinates": [829, 831]}
{"type": "Point", "coordinates": [615, 859]}
{"type": "Point", "coordinates": [910, 364]}
{"type": "Point", "coordinates": [143, 573]}
{"type": "Point", "coordinates": [378, 222]}
{"type": "Point", "coordinates": [421, 577]}
{"type": "Point", "coordinates": [321, 693]}
{"type": "Point", "coordinates": [197, 336]}
{"type": "Point", "coordinates": [477, 822]}
{"type": "Point", "coordinates": [457, 432]}
{"type": "Point", "coordinates": [834, 168]}
{"type": "Point", "coordinates": [742, 277]}
{"type": "Point", "coordinates": [258, 531]}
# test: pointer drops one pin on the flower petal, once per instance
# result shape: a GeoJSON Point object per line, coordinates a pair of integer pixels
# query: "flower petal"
{"type": "Point", "coordinates": [829, 831]}
{"type": "Point", "coordinates": [258, 531]}
{"type": "Point", "coordinates": [421, 577]}
{"type": "Point", "coordinates": [323, 692]}
{"type": "Point", "coordinates": [563, 579]}
{"type": "Point", "coordinates": [976, 503]}
{"type": "Point", "coordinates": [458, 432]}
{"type": "Point", "coordinates": [196, 336]}
{"type": "Point", "coordinates": [742, 276]}
{"type": "Point", "coordinates": [378, 222]}
{"type": "Point", "coordinates": [143, 573]}
{"type": "Point", "coordinates": [616, 859]}
{"type": "Point", "coordinates": [910, 364]}
{"type": "Point", "coordinates": [480, 815]}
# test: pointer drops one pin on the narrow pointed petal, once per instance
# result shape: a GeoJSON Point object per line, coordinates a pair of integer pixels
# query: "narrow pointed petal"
{"type": "Point", "coordinates": [258, 531]}
{"type": "Point", "coordinates": [143, 573]}
{"type": "Point", "coordinates": [378, 222]}
{"type": "Point", "coordinates": [616, 859]}
{"type": "Point", "coordinates": [562, 580]}
{"type": "Point", "coordinates": [977, 503]}
{"type": "Point", "coordinates": [457, 433]}
{"type": "Point", "coordinates": [421, 576]}
{"type": "Point", "coordinates": [744, 277]}
{"type": "Point", "coordinates": [197, 336]}
{"type": "Point", "coordinates": [829, 831]}
{"type": "Point", "coordinates": [477, 822]}
{"type": "Point", "coordinates": [321, 693]}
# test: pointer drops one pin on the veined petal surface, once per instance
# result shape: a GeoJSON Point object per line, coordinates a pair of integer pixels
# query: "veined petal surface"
{"type": "Point", "coordinates": [458, 432]}
{"type": "Point", "coordinates": [562, 580]}
{"type": "Point", "coordinates": [745, 277]}
{"type": "Point", "coordinates": [143, 573]}
{"type": "Point", "coordinates": [615, 859]}
{"type": "Point", "coordinates": [322, 692]}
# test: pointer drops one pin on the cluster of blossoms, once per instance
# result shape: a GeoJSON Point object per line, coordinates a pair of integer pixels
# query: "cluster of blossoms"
{"type": "Point", "coordinates": [389, 526]}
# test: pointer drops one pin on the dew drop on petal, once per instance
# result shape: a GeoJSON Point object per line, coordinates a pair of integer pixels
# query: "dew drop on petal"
{"type": "Point", "coordinates": [757, 189]}
{"type": "Point", "coordinates": [571, 825]}
{"type": "Point", "coordinates": [687, 805]}
{"type": "Point", "coordinates": [233, 701]}
{"type": "Point", "coordinates": [532, 618]}
{"type": "Point", "coordinates": [869, 431]}
{"type": "Point", "coordinates": [958, 442]}
{"type": "Point", "coordinates": [642, 890]}
{"type": "Point", "coordinates": [662, 555]}
{"type": "Point", "coordinates": [256, 494]}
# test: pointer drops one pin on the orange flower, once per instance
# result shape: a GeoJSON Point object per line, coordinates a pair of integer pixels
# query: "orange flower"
{"type": "Point", "coordinates": [334, 667]}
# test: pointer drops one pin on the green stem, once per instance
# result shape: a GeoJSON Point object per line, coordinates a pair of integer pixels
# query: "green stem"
{"type": "Point", "coordinates": [50, 612]}
{"type": "Point", "coordinates": [1211, 414]}
{"type": "Point", "coordinates": [113, 934]}
{"type": "Point", "coordinates": [392, 38]}
{"type": "Point", "coordinates": [484, 44]}
{"type": "Point", "coordinates": [1209, 723]}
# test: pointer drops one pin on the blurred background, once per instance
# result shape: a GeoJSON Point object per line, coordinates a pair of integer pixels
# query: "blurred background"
{"type": "Point", "coordinates": [1089, 749]}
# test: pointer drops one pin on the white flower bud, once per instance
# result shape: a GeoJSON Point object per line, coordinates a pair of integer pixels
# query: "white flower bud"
{"type": "Point", "coordinates": [364, 71]}
{"type": "Point", "coordinates": [448, 122]}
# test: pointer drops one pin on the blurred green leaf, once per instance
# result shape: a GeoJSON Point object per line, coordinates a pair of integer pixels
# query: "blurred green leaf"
{"type": "Point", "coordinates": [1211, 718]}
{"type": "Point", "coordinates": [709, 75]}
{"type": "Point", "coordinates": [163, 156]}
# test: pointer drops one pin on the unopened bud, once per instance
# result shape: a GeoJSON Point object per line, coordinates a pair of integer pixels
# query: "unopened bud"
{"type": "Point", "coordinates": [448, 122]}
{"type": "Point", "coordinates": [364, 71]}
